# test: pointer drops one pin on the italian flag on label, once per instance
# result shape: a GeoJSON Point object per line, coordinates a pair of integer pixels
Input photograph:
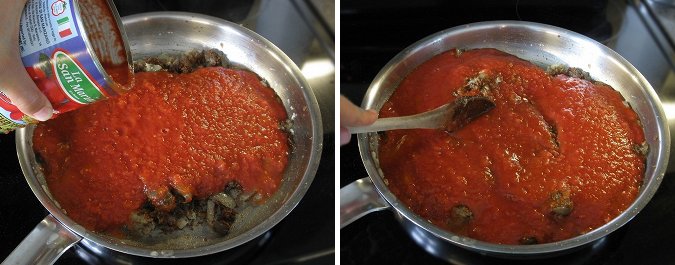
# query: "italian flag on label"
{"type": "Point", "coordinates": [64, 27]}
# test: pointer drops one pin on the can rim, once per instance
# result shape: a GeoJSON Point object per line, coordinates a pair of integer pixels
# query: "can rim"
{"type": "Point", "coordinates": [109, 82]}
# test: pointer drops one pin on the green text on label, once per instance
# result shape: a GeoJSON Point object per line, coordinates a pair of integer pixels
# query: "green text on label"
{"type": "Point", "coordinates": [74, 81]}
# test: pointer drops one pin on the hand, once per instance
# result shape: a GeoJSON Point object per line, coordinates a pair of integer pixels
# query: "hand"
{"type": "Point", "coordinates": [351, 116]}
{"type": "Point", "coordinates": [14, 80]}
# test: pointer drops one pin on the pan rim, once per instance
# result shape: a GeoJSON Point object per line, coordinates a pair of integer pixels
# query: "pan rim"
{"type": "Point", "coordinates": [514, 250]}
{"type": "Point", "coordinates": [24, 143]}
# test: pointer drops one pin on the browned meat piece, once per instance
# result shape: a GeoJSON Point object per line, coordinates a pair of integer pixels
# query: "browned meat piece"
{"type": "Point", "coordinates": [460, 215]}
{"type": "Point", "coordinates": [481, 84]}
{"type": "Point", "coordinates": [161, 198]}
{"type": "Point", "coordinates": [142, 223]}
{"type": "Point", "coordinates": [561, 204]}
{"type": "Point", "coordinates": [185, 63]}
{"type": "Point", "coordinates": [150, 218]}
{"type": "Point", "coordinates": [224, 220]}
{"type": "Point", "coordinates": [528, 240]}
{"type": "Point", "coordinates": [233, 189]}
{"type": "Point", "coordinates": [182, 191]}
{"type": "Point", "coordinates": [568, 71]}
{"type": "Point", "coordinates": [220, 213]}
{"type": "Point", "coordinates": [214, 58]}
{"type": "Point", "coordinates": [642, 149]}
{"type": "Point", "coordinates": [553, 130]}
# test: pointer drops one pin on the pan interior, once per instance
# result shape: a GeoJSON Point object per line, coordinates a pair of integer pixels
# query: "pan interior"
{"type": "Point", "coordinates": [542, 45]}
{"type": "Point", "coordinates": [152, 34]}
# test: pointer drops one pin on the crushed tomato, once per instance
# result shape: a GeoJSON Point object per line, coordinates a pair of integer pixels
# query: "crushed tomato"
{"type": "Point", "coordinates": [190, 132]}
{"type": "Point", "coordinates": [546, 135]}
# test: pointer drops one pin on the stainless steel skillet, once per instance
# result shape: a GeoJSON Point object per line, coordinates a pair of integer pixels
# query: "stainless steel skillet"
{"type": "Point", "coordinates": [543, 45]}
{"type": "Point", "coordinates": [151, 34]}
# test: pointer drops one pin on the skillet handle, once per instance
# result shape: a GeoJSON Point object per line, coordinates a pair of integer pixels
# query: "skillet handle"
{"type": "Point", "coordinates": [44, 245]}
{"type": "Point", "coordinates": [358, 199]}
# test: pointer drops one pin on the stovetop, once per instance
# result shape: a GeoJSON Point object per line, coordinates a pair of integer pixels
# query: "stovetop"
{"type": "Point", "coordinates": [374, 32]}
{"type": "Point", "coordinates": [306, 235]}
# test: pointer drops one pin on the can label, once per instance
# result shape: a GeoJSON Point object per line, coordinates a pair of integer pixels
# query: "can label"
{"type": "Point", "coordinates": [10, 116]}
{"type": "Point", "coordinates": [55, 52]}
{"type": "Point", "coordinates": [46, 23]}
{"type": "Point", "coordinates": [74, 80]}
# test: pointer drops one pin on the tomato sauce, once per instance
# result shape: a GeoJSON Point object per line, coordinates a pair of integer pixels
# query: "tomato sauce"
{"type": "Point", "coordinates": [547, 135]}
{"type": "Point", "coordinates": [193, 133]}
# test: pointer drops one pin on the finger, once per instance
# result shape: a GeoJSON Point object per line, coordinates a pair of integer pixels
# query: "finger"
{"type": "Point", "coordinates": [14, 80]}
{"type": "Point", "coordinates": [351, 115]}
{"type": "Point", "coordinates": [344, 136]}
{"type": "Point", "coordinates": [20, 89]}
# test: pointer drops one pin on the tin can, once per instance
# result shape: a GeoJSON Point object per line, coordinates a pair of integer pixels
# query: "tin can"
{"type": "Point", "coordinates": [76, 53]}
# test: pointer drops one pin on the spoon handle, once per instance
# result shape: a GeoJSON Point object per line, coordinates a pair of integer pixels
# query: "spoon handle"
{"type": "Point", "coordinates": [418, 121]}
{"type": "Point", "coordinates": [450, 117]}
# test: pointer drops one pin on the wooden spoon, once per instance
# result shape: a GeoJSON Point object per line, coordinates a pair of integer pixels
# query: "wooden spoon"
{"type": "Point", "coordinates": [449, 117]}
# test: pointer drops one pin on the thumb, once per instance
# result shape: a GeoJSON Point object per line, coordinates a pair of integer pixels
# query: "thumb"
{"type": "Point", "coordinates": [20, 89]}
{"type": "Point", "coordinates": [14, 80]}
{"type": "Point", "coordinates": [351, 115]}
